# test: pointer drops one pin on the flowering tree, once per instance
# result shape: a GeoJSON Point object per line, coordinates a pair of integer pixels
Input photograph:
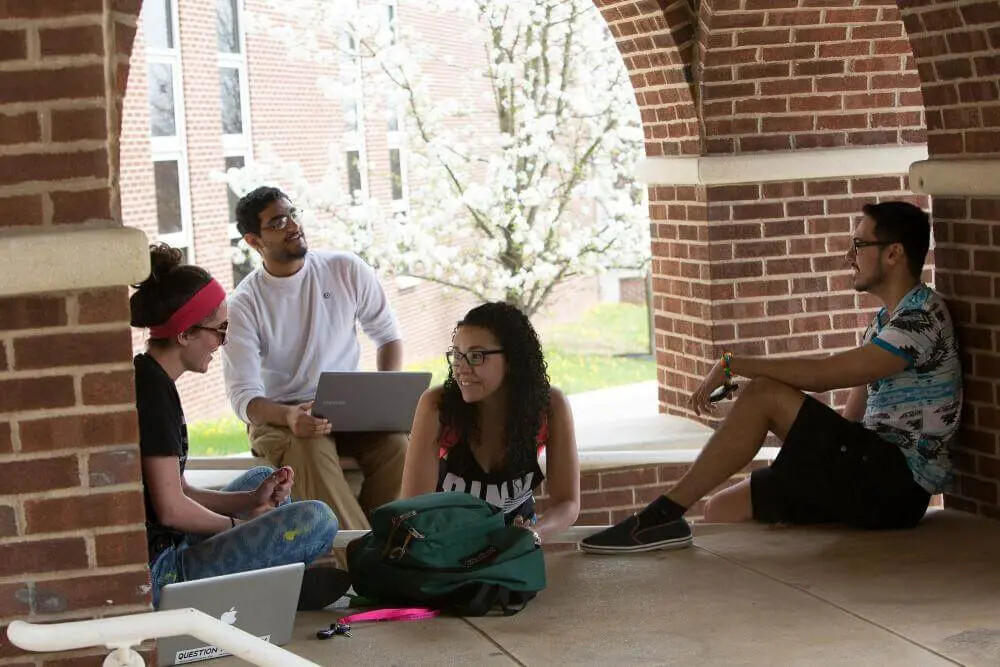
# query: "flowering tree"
{"type": "Point", "coordinates": [508, 214]}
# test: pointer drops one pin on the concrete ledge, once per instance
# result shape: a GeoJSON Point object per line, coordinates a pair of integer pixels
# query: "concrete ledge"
{"type": "Point", "coordinates": [779, 166]}
{"type": "Point", "coordinates": [214, 472]}
{"type": "Point", "coordinates": [68, 258]}
{"type": "Point", "coordinates": [956, 177]}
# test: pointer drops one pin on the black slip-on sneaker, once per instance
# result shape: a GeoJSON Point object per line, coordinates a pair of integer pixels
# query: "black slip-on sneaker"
{"type": "Point", "coordinates": [634, 535]}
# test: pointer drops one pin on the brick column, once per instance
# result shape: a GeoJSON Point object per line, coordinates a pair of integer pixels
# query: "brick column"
{"type": "Point", "coordinates": [955, 47]}
{"type": "Point", "coordinates": [72, 542]}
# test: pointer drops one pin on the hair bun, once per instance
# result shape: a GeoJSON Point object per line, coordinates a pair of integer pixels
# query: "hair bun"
{"type": "Point", "coordinates": [162, 260]}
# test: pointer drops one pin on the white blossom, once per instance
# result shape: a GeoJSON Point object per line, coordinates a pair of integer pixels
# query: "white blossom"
{"type": "Point", "coordinates": [507, 214]}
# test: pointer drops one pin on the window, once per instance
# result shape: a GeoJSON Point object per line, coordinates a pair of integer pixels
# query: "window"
{"type": "Point", "coordinates": [353, 109]}
{"type": "Point", "coordinates": [395, 137]}
{"type": "Point", "coordinates": [232, 106]}
{"type": "Point", "coordinates": [354, 185]}
{"type": "Point", "coordinates": [158, 23]}
{"type": "Point", "coordinates": [396, 174]}
{"type": "Point", "coordinates": [166, 126]}
{"type": "Point", "coordinates": [242, 266]}
{"type": "Point", "coordinates": [162, 115]}
{"type": "Point", "coordinates": [390, 20]}
{"type": "Point", "coordinates": [235, 104]}
{"type": "Point", "coordinates": [169, 216]}
{"type": "Point", "coordinates": [233, 82]}
{"type": "Point", "coordinates": [228, 26]}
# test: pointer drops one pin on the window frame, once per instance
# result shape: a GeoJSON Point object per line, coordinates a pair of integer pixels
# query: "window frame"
{"type": "Point", "coordinates": [237, 144]}
{"type": "Point", "coordinates": [174, 148]}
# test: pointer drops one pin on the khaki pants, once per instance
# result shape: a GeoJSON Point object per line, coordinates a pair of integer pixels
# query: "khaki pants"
{"type": "Point", "coordinates": [318, 475]}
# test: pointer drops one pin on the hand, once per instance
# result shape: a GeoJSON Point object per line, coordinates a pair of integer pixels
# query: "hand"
{"type": "Point", "coordinates": [271, 492]}
{"type": "Point", "coordinates": [285, 477]}
{"type": "Point", "coordinates": [699, 399]}
{"type": "Point", "coordinates": [303, 425]}
{"type": "Point", "coordinates": [521, 522]}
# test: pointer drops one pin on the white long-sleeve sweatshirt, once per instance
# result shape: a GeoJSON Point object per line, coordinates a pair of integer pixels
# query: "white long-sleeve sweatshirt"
{"type": "Point", "coordinates": [284, 332]}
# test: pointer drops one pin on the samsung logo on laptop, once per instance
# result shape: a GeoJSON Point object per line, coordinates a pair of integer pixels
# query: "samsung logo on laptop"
{"type": "Point", "coordinates": [204, 653]}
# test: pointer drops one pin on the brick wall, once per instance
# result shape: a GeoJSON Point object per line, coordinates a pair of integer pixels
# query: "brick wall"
{"type": "Point", "coordinates": [758, 266]}
{"type": "Point", "coordinates": [610, 495]}
{"type": "Point", "coordinates": [955, 44]}
{"type": "Point", "coordinates": [72, 543]}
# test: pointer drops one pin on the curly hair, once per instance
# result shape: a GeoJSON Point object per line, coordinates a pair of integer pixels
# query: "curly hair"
{"type": "Point", "coordinates": [527, 383]}
{"type": "Point", "coordinates": [251, 204]}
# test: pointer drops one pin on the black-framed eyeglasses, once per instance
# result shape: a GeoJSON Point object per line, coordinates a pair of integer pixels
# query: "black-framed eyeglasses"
{"type": "Point", "coordinates": [279, 222]}
{"type": "Point", "coordinates": [472, 357]}
{"type": "Point", "coordinates": [219, 331]}
{"type": "Point", "coordinates": [857, 244]}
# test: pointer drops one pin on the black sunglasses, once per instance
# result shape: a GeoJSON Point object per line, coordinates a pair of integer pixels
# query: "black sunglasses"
{"type": "Point", "coordinates": [220, 331]}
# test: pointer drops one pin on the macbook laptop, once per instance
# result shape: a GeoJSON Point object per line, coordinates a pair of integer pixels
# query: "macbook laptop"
{"type": "Point", "coordinates": [261, 602]}
{"type": "Point", "coordinates": [370, 400]}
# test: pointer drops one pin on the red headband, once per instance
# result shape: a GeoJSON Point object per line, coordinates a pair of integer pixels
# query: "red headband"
{"type": "Point", "coordinates": [198, 307]}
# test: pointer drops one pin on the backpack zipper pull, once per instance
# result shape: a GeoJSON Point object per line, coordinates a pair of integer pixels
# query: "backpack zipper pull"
{"type": "Point", "coordinates": [397, 552]}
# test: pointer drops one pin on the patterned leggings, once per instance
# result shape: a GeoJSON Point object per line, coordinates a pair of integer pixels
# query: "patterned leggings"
{"type": "Point", "coordinates": [296, 532]}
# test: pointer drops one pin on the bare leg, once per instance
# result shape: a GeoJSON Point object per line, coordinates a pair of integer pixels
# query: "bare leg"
{"type": "Point", "coordinates": [731, 505]}
{"type": "Point", "coordinates": [764, 405]}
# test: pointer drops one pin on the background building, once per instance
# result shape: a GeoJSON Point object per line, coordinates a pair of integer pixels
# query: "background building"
{"type": "Point", "coordinates": [205, 94]}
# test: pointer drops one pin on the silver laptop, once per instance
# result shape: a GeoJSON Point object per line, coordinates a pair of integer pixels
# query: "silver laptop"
{"type": "Point", "coordinates": [261, 602]}
{"type": "Point", "coordinates": [370, 400]}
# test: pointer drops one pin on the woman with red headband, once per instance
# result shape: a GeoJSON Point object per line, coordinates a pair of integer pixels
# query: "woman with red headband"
{"type": "Point", "coordinates": [196, 533]}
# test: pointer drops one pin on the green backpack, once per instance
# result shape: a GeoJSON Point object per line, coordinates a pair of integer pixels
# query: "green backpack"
{"type": "Point", "coordinates": [446, 550]}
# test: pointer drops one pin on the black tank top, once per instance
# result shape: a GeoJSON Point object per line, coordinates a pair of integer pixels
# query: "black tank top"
{"type": "Point", "coordinates": [508, 490]}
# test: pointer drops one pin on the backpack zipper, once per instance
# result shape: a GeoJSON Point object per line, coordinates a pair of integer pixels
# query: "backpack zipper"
{"type": "Point", "coordinates": [397, 521]}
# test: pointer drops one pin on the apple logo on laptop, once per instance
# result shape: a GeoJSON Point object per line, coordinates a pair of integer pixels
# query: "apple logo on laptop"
{"type": "Point", "coordinates": [229, 617]}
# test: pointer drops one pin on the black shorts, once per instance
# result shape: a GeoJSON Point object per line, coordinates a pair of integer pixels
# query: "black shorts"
{"type": "Point", "coordinates": [832, 469]}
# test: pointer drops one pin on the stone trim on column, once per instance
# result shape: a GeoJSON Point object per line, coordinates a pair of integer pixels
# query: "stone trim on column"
{"type": "Point", "coordinates": [68, 258]}
{"type": "Point", "coordinates": [974, 178]}
{"type": "Point", "coordinates": [779, 166]}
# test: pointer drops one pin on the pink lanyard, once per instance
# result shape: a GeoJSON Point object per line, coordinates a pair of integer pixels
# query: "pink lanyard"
{"type": "Point", "coordinates": [343, 624]}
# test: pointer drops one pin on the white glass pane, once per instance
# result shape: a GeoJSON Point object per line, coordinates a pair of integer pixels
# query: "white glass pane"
{"type": "Point", "coordinates": [232, 108]}
{"type": "Point", "coordinates": [168, 197]}
{"type": "Point", "coordinates": [158, 23]}
{"type": "Point", "coordinates": [354, 174]}
{"type": "Point", "coordinates": [234, 162]}
{"type": "Point", "coordinates": [352, 114]}
{"type": "Point", "coordinates": [396, 173]}
{"type": "Point", "coordinates": [240, 269]}
{"type": "Point", "coordinates": [162, 122]}
{"type": "Point", "coordinates": [227, 26]}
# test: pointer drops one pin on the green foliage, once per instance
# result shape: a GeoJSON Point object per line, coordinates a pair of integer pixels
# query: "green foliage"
{"type": "Point", "coordinates": [218, 437]}
{"type": "Point", "coordinates": [606, 347]}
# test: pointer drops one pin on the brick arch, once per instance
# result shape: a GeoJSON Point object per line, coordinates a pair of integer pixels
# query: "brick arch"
{"type": "Point", "coordinates": [955, 46]}
{"type": "Point", "coordinates": [657, 45]}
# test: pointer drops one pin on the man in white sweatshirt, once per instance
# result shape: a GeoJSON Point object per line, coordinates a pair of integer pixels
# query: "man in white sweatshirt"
{"type": "Point", "coordinates": [289, 321]}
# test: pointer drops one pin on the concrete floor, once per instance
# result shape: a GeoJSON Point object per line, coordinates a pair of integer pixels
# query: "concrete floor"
{"type": "Point", "coordinates": [744, 595]}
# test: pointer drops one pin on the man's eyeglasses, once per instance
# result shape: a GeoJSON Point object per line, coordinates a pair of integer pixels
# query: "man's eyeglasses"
{"type": "Point", "coordinates": [279, 222]}
{"type": "Point", "coordinates": [472, 357]}
{"type": "Point", "coordinates": [219, 331]}
{"type": "Point", "coordinates": [857, 244]}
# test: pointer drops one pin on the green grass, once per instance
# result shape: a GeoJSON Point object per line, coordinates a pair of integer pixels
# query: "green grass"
{"type": "Point", "coordinates": [606, 347]}
{"type": "Point", "coordinates": [218, 437]}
